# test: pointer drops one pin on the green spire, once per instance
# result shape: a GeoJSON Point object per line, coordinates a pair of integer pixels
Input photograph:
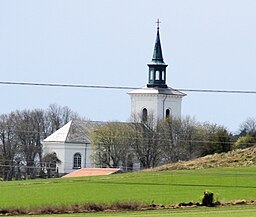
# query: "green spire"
{"type": "Point", "coordinates": [157, 67]}
{"type": "Point", "coordinates": [157, 54]}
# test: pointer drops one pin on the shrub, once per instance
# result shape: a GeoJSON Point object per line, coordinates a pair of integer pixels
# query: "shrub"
{"type": "Point", "coordinates": [244, 142]}
{"type": "Point", "coordinates": [208, 199]}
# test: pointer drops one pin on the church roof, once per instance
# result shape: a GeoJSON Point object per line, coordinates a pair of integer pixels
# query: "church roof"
{"type": "Point", "coordinates": [59, 135]}
{"type": "Point", "coordinates": [164, 91]}
{"type": "Point", "coordinates": [75, 132]}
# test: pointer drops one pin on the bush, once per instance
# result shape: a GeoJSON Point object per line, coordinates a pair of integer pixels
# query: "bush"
{"type": "Point", "coordinates": [208, 199]}
{"type": "Point", "coordinates": [244, 142]}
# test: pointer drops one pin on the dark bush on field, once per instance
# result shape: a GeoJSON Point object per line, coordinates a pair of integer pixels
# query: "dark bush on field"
{"type": "Point", "coordinates": [208, 199]}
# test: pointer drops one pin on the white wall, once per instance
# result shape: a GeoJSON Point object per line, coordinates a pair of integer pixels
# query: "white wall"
{"type": "Point", "coordinates": [89, 158]}
{"type": "Point", "coordinates": [70, 150]}
{"type": "Point", "coordinates": [156, 104]}
{"type": "Point", "coordinates": [65, 152]}
{"type": "Point", "coordinates": [58, 148]}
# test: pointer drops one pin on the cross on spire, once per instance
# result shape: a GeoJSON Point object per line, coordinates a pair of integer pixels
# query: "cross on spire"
{"type": "Point", "coordinates": [158, 23]}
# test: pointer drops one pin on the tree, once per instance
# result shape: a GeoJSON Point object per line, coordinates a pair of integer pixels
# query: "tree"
{"type": "Point", "coordinates": [145, 141]}
{"type": "Point", "coordinates": [30, 126]}
{"type": "Point", "coordinates": [247, 136]}
{"type": "Point", "coordinates": [248, 127]}
{"type": "Point", "coordinates": [179, 139]}
{"type": "Point", "coordinates": [145, 145]}
{"type": "Point", "coordinates": [21, 136]}
{"type": "Point", "coordinates": [49, 164]}
{"type": "Point", "coordinates": [185, 139]}
{"type": "Point", "coordinates": [8, 146]}
{"type": "Point", "coordinates": [217, 139]}
{"type": "Point", "coordinates": [57, 116]}
{"type": "Point", "coordinates": [112, 145]}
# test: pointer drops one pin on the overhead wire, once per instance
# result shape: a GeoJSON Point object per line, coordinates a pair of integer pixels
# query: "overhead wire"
{"type": "Point", "coordinates": [122, 87]}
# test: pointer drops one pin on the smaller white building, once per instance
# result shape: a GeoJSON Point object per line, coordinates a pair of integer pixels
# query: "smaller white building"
{"type": "Point", "coordinates": [72, 145]}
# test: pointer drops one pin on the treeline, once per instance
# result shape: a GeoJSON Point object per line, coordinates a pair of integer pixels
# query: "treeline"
{"type": "Point", "coordinates": [148, 144]}
{"type": "Point", "coordinates": [152, 144]}
{"type": "Point", "coordinates": [21, 136]}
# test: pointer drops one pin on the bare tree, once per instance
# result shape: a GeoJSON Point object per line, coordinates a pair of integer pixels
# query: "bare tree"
{"type": "Point", "coordinates": [21, 136]}
{"type": "Point", "coordinates": [30, 127]}
{"type": "Point", "coordinates": [8, 146]}
{"type": "Point", "coordinates": [247, 135]}
{"type": "Point", "coordinates": [176, 137]}
{"type": "Point", "coordinates": [56, 116]}
{"type": "Point", "coordinates": [146, 146]}
{"type": "Point", "coordinates": [112, 145]}
{"type": "Point", "coordinates": [248, 127]}
{"type": "Point", "coordinates": [145, 141]}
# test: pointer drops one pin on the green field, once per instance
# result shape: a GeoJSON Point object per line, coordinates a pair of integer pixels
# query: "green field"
{"type": "Point", "coordinates": [165, 187]}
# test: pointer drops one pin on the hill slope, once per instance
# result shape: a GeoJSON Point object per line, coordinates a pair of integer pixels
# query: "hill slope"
{"type": "Point", "coordinates": [236, 158]}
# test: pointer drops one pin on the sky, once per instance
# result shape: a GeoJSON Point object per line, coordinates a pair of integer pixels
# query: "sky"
{"type": "Point", "coordinates": [207, 44]}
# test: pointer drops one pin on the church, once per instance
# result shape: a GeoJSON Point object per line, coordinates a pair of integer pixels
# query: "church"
{"type": "Point", "coordinates": [72, 142]}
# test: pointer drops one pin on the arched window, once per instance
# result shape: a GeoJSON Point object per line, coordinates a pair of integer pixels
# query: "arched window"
{"type": "Point", "coordinates": [77, 161]}
{"type": "Point", "coordinates": [151, 75]}
{"type": "Point", "coordinates": [163, 75]}
{"type": "Point", "coordinates": [144, 115]}
{"type": "Point", "coordinates": [167, 113]}
{"type": "Point", "coordinates": [157, 75]}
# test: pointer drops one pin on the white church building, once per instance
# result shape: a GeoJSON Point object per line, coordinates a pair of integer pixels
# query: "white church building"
{"type": "Point", "coordinates": [72, 142]}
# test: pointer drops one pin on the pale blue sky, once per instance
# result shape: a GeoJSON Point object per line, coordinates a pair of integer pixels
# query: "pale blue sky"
{"type": "Point", "coordinates": [208, 44]}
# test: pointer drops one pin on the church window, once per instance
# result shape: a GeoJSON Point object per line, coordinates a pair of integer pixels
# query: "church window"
{"type": "Point", "coordinates": [151, 74]}
{"type": "Point", "coordinates": [77, 161]}
{"type": "Point", "coordinates": [157, 75]}
{"type": "Point", "coordinates": [163, 76]}
{"type": "Point", "coordinates": [167, 113]}
{"type": "Point", "coordinates": [144, 115]}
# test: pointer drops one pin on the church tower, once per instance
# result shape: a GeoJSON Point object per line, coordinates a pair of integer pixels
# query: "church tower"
{"type": "Point", "coordinates": [156, 99]}
{"type": "Point", "coordinates": [157, 67]}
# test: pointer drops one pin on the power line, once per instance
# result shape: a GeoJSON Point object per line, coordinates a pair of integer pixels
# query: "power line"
{"type": "Point", "coordinates": [65, 85]}
{"type": "Point", "coordinates": [218, 91]}
{"type": "Point", "coordinates": [122, 87]}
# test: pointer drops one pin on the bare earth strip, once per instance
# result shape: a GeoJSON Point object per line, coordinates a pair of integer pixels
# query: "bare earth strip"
{"type": "Point", "coordinates": [233, 211]}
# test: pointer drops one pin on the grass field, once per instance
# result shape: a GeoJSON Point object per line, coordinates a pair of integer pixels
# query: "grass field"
{"type": "Point", "coordinates": [165, 187]}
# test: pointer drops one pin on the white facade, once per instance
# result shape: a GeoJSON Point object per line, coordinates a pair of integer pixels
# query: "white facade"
{"type": "Point", "coordinates": [66, 151]}
{"type": "Point", "coordinates": [73, 139]}
{"type": "Point", "coordinates": [67, 142]}
{"type": "Point", "coordinates": [160, 102]}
